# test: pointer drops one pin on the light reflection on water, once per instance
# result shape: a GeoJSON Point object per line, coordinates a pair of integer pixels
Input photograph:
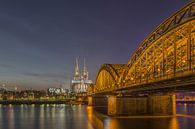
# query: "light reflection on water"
{"type": "Point", "coordinates": [185, 121]}
{"type": "Point", "coordinates": [43, 117]}
{"type": "Point", "coordinates": [83, 117]}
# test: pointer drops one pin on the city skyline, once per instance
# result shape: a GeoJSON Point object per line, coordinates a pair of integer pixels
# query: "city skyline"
{"type": "Point", "coordinates": [40, 40]}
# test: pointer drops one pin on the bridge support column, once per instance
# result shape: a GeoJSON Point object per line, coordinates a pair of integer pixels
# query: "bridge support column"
{"type": "Point", "coordinates": [151, 105]}
{"type": "Point", "coordinates": [90, 101]}
{"type": "Point", "coordinates": [162, 105]}
{"type": "Point", "coordinates": [127, 105]}
{"type": "Point", "coordinates": [97, 101]}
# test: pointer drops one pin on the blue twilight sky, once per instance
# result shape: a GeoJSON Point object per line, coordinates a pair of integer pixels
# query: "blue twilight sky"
{"type": "Point", "coordinates": [40, 39]}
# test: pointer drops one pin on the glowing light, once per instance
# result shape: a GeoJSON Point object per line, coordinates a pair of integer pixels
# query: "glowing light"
{"type": "Point", "coordinates": [174, 124]}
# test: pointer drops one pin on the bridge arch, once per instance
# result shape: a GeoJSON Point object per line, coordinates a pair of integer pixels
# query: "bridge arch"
{"type": "Point", "coordinates": [166, 54]}
{"type": "Point", "coordinates": [107, 78]}
{"type": "Point", "coordinates": [169, 51]}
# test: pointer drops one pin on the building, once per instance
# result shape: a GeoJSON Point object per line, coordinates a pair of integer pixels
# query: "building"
{"type": "Point", "coordinates": [80, 83]}
{"type": "Point", "coordinates": [57, 91]}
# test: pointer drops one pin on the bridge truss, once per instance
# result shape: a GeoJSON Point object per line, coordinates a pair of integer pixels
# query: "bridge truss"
{"type": "Point", "coordinates": [167, 53]}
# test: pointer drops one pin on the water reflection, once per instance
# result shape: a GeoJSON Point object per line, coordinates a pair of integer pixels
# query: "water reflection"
{"type": "Point", "coordinates": [43, 117]}
{"type": "Point", "coordinates": [83, 117]}
{"type": "Point", "coordinates": [10, 113]}
{"type": "Point", "coordinates": [101, 121]}
{"type": "Point", "coordinates": [140, 123]}
{"type": "Point", "coordinates": [95, 119]}
{"type": "Point", "coordinates": [174, 124]}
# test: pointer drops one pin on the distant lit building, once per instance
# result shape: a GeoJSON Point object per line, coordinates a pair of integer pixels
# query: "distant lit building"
{"type": "Point", "coordinates": [80, 83]}
{"type": "Point", "coordinates": [57, 91]}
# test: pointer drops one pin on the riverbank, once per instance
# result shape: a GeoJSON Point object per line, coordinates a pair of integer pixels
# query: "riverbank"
{"type": "Point", "coordinates": [185, 101]}
{"type": "Point", "coordinates": [18, 102]}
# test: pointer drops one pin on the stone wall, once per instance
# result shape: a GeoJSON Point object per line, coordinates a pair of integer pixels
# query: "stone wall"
{"type": "Point", "coordinates": [127, 105]}
{"type": "Point", "coordinates": [100, 101]}
{"type": "Point", "coordinates": [162, 105]}
{"type": "Point", "coordinates": [151, 105]}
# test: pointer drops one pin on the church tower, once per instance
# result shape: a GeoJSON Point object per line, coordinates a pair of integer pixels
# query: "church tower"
{"type": "Point", "coordinates": [85, 72]}
{"type": "Point", "coordinates": [76, 71]}
{"type": "Point", "coordinates": [80, 82]}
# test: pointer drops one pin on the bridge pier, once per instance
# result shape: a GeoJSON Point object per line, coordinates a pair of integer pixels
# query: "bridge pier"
{"type": "Point", "coordinates": [162, 105]}
{"type": "Point", "coordinates": [118, 106]}
{"type": "Point", "coordinates": [155, 105]}
{"type": "Point", "coordinates": [90, 101]}
{"type": "Point", "coordinates": [98, 101]}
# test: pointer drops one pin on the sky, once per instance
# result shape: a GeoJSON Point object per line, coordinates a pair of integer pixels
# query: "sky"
{"type": "Point", "coordinates": [40, 39]}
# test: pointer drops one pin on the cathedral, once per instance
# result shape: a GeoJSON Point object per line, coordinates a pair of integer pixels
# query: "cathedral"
{"type": "Point", "coordinates": [81, 82]}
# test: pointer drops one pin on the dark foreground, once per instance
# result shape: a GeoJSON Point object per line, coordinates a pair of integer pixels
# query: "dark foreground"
{"type": "Point", "coordinates": [61, 116]}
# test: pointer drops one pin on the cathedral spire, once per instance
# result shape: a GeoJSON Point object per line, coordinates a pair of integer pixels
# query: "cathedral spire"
{"type": "Point", "coordinates": [80, 83]}
{"type": "Point", "coordinates": [76, 72]}
{"type": "Point", "coordinates": [85, 72]}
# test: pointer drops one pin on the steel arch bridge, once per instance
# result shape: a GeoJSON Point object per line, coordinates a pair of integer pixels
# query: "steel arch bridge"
{"type": "Point", "coordinates": [166, 55]}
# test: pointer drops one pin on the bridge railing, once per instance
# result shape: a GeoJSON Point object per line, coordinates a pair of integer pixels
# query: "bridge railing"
{"type": "Point", "coordinates": [158, 79]}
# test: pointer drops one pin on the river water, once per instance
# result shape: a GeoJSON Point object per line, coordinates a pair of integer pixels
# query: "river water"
{"type": "Point", "coordinates": [83, 117]}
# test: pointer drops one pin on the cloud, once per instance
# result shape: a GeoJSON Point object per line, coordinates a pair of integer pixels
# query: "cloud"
{"type": "Point", "coordinates": [16, 22]}
{"type": "Point", "coordinates": [46, 75]}
{"type": "Point", "coordinates": [7, 66]}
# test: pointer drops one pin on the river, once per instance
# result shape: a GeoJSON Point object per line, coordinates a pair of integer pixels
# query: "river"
{"type": "Point", "coordinates": [63, 116]}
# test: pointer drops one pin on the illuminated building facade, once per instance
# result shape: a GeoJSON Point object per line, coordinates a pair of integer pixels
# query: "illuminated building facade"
{"type": "Point", "coordinates": [57, 91]}
{"type": "Point", "coordinates": [80, 83]}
